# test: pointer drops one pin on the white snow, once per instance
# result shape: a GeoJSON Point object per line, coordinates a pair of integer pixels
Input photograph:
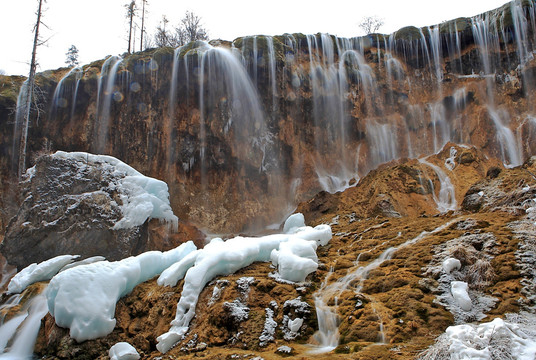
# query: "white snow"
{"type": "Point", "coordinates": [451, 264]}
{"type": "Point", "coordinates": [485, 341]}
{"type": "Point", "coordinates": [295, 325]}
{"type": "Point", "coordinates": [142, 197]}
{"type": "Point", "coordinates": [295, 259]}
{"type": "Point", "coordinates": [83, 298]}
{"type": "Point", "coordinates": [226, 257]}
{"type": "Point", "coordinates": [123, 351]}
{"type": "Point", "coordinates": [459, 290]}
{"type": "Point", "coordinates": [38, 272]}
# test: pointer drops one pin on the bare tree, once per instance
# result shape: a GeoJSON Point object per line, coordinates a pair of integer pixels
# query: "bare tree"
{"type": "Point", "coordinates": [163, 37]}
{"type": "Point", "coordinates": [371, 24]}
{"type": "Point", "coordinates": [143, 2]}
{"type": "Point", "coordinates": [131, 13]}
{"type": "Point", "coordinates": [29, 93]}
{"type": "Point", "coordinates": [191, 29]}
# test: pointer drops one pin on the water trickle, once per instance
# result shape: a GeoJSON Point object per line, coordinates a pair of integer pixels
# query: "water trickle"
{"type": "Point", "coordinates": [327, 335]}
{"type": "Point", "coordinates": [446, 197]}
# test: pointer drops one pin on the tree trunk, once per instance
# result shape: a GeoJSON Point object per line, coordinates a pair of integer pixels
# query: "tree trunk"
{"type": "Point", "coordinates": [142, 23]}
{"type": "Point", "coordinates": [130, 28]}
{"type": "Point", "coordinates": [29, 94]}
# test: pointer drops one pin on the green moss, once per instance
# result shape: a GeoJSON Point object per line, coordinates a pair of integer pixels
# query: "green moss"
{"type": "Point", "coordinates": [408, 33]}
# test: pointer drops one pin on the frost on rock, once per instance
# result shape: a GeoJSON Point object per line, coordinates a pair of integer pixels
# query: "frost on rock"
{"type": "Point", "coordinates": [123, 351]}
{"type": "Point", "coordinates": [223, 258]}
{"type": "Point", "coordinates": [268, 332]}
{"type": "Point", "coordinates": [238, 312]}
{"type": "Point", "coordinates": [462, 272]}
{"type": "Point", "coordinates": [498, 339]}
{"type": "Point", "coordinates": [142, 197]}
{"type": "Point", "coordinates": [295, 311]}
{"type": "Point", "coordinates": [83, 298]}
{"type": "Point", "coordinates": [38, 272]}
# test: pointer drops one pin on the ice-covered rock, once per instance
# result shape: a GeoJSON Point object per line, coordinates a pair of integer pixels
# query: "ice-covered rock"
{"type": "Point", "coordinates": [459, 290]}
{"type": "Point", "coordinates": [451, 264]}
{"type": "Point", "coordinates": [226, 257]}
{"type": "Point", "coordinates": [83, 298]}
{"type": "Point", "coordinates": [38, 272]}
{"type": "Point", "coordinates": [123, 351]}
{"type": "Point", "coordinates": [79, 203]}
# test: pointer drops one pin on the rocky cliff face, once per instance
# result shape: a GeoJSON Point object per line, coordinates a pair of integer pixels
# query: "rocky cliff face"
{"type": "Point", "coordinates": [243, 131]}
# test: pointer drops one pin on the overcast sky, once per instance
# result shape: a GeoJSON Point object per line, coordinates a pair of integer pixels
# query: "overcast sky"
{"type": "Point", "coordinates": [99, 28]}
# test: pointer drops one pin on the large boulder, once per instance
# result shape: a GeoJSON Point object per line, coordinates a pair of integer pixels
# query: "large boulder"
{"type": "Point", "coordinates": [87, 205]}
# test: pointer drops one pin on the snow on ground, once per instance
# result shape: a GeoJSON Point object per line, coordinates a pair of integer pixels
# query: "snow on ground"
{"type": "Point", "coordinates": [226, 257]}
{"type": "Point", "coordinates": [123, 351]}
{"type": "Point", "coordinates": [497, 339]}
{"type": "Point", "coordinates": [83, 298]}
{"type": "Point", "coordinates": [38, 272]}
{"type": "Point", "coordinates": [142, 197]}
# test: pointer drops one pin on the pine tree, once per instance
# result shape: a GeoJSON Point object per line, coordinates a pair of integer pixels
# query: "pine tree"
{"type": "Point", "coordinates": [72, 56]}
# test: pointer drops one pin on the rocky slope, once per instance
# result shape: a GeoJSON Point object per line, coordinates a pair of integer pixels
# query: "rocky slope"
{"type": "Point", "coordinates": [391, 304]}
{"type": "Point", "coordinates": [243, 131]}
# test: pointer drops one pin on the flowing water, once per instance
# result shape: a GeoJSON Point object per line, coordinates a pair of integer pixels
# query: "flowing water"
{"type": "Point", "coordinates": [327, 335]}
{"type": "Point", "coordinates": [18, 335]}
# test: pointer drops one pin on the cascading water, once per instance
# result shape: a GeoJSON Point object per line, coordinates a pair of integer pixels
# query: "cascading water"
{"type": "Point", "coordinates": [330, 109]}
{"type": "Point", "coordinates": [104, 101]}
{"type": "Point", "coordinates": [446, 197]}
{"type": "Point", "coordinates": [18, 335]}
{"type": "Point", "coordinates": [65, 93]}
{"type": "Point", "coordinates": [327, 335]}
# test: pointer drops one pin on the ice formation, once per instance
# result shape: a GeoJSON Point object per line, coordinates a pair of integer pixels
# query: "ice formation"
{"type": "Point", "coordinates": [38, 272]}
{"type": "Point", "coordinates": [142, 197]}
{"type": "Point", "coordinates": [459, 290]}
{"type": "Point", "coordinates": [498, 339]}
{"type": "Point", "coordinates": [451, 264]}
{"type": "Point", "coordinates": [83, 298]}
{"type": "Point", "coordinates": [295, 259]}
{"type": "Point", "coordinates": [226, 257]}
{"type": "Point", "coordinates": [123, 351]}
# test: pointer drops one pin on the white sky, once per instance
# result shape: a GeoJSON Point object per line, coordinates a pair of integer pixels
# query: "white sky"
{"type": "Point", "coordinates": [99, 28]}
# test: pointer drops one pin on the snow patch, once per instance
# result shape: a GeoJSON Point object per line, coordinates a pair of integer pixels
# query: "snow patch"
{"type": "Point", "coordinates": [38, 272]}
{"type": "Point", "coordinates": [459, 291]}
{"type": "Point", "coordinates": [83, 298]}
{"type": "Point", "coordinates": [123, 351]}
{"type": "Point", "coordinates": [226, 257]}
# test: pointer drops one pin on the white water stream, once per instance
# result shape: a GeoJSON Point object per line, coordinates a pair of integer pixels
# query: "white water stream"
{"type": "Point", "coordinates": [18, 335]}
{"type": "Point", "coordinates": [327, 335]}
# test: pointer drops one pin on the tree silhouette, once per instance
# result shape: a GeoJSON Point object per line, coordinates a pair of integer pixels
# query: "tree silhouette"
{"type": "Point", "coordinates": [72, 56]}
{"type": "Point", "coordinates": [371, 24]}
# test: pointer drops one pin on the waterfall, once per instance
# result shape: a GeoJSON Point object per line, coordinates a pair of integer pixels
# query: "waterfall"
{"type": "Point", "coordinates": [61, 93]}
{"type": "Point", "coordinates": [106, 95]}
{"type": "Point", "coordinates": [510, 153]}
{"type": "Point", "coordinates": [18, 335]}
{"type": "Point", "coordinates": [446, 197]}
